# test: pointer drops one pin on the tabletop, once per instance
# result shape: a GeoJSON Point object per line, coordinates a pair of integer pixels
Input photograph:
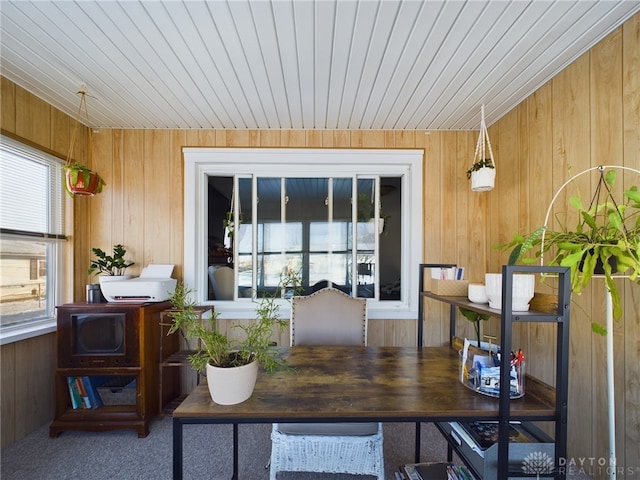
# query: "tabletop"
{"type": "Point", "coordinates": [364, 383]}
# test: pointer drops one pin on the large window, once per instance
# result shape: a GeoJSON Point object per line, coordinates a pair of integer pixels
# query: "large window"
{"type": "Point", "coordinates": [349, 218]}
{"type": "Point", "coordinates": [31, 221]}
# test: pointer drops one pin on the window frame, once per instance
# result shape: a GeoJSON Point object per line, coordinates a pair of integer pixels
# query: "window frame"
{"type": "Point", "coordinates": [199, 163]}
{"type": "Point", "coordinates": [55, 257]}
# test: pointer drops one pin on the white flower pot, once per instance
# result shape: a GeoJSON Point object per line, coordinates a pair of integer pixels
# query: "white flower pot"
{"type": "Point", "coordinates": [483, 180]}
{"type": "Point", "coordinates": [521, 294]}
{"type": "Point", "coordinates": [229, 386]}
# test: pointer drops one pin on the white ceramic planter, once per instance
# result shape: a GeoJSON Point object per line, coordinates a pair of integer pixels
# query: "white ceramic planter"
{"type": "Point", "coordinates": [483, 180]}
{"type": "Point", "coordinates": [229, 386]}
{"type": "Point", "coordinates": [522, 292]}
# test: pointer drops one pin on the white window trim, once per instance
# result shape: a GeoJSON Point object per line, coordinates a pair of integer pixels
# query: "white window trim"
{"type": "Point", "coordinates": [199, 163]}
{"type": "Point", "coordinates": [43, 326]}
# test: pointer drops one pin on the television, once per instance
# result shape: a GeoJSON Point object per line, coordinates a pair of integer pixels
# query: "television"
{"type": "Point", "coordinates": [98, 336]}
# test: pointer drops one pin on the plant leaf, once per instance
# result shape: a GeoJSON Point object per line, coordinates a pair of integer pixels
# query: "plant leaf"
{"type": "Point", "coordinates": [576, 203]}
{"type": "Point", "coordinates": [597, 328]}
{"type": "Point", "coordinates": [610, 177]}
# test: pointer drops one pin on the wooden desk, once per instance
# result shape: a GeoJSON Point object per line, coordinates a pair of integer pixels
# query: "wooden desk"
{"type": "Point", "coordinates": [381, 384]}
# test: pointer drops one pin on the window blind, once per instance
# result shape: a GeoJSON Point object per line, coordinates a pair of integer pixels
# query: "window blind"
{"type": "Point", "coordinates": [31, 193]}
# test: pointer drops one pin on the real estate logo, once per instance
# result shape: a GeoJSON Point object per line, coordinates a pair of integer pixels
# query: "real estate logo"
{"type": "Point", "coordinates": [538, 463]}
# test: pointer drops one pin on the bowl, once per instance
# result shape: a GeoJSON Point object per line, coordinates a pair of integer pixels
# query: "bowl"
{"type": "Point", "coordinates": [477, 293]}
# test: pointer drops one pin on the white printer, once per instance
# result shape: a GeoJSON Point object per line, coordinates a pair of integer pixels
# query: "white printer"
{"type": "Point", "coordinates": [153, 285]}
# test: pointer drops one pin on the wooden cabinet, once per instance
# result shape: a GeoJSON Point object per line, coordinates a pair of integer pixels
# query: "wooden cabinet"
{"type": "Point", "coordinates": [117, 347]}
{"type": "Point", "coordinates": [555, 312]}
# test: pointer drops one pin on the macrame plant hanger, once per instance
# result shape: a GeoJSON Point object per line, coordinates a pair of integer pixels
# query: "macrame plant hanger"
{"type": "Point", "coordinates": [483, 171]}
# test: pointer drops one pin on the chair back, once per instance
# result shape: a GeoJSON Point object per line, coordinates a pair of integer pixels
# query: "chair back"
{"type": "Point", "coordinates": [328, 317]}
{"type": "Point", "coordinates": [222, 281]}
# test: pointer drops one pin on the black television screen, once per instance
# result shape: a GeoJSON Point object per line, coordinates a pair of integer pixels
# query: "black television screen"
{"type": "Point", "coordinates": [99, 333]}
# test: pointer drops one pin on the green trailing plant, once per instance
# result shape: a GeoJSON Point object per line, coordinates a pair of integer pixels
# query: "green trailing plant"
{"type": "Point", "coordinates": [483, 163]}
{"type": "Point", "coordinates": [605, 241]}
{"type": "Point", "coordinates": [73, 171]}
{"type": "Point", "coordinates": [475, 318]}
{"type": "Point", "coordinates": [216, 348]}
{"type": "Point", "coordinates": [109, 264]}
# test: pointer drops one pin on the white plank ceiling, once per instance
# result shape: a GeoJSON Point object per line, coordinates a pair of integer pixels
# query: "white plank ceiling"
{"type": "Point", "coordinates": [296, 64]}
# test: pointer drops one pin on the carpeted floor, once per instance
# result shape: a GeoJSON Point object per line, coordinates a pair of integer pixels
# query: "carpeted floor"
{"type": "Point", "coordinates": [121, 455]}
{"type": "Point", "coordinates": [207, 454]}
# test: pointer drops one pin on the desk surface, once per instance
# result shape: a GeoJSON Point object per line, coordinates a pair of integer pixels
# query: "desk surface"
{"type": "Point", "coordinates": [364, 383]}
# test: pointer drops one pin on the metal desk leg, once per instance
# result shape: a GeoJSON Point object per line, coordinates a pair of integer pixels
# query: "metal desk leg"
{"type": "Point", "coordinates": [418, 442]}
{"type": "Point", "coordinates": [177, 449]}
{"type": "Point", "coordinates": [235, 451]}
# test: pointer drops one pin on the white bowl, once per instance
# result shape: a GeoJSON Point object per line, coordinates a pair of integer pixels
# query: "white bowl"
{"type": "Point", "coordinates": [477, 293]}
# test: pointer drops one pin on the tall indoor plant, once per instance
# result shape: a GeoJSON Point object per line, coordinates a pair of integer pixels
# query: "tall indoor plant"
{"type": "Point", "coordinates": [228, 360]}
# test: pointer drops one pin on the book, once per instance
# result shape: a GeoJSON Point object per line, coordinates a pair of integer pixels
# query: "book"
{"type": "Point", "coordinates": [435, 471]}
{"type": "Point", "coordinates": [84, 397]}
{"type": "Point", "coordinates": [94, 397]}
{"type": "Point", "coordinates": [76, 401]}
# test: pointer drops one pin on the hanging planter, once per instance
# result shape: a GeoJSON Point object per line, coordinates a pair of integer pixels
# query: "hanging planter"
{"type": "Point", "coordinates": [80, 180]}
{"type": "Point", "coordinates": [483, 171]}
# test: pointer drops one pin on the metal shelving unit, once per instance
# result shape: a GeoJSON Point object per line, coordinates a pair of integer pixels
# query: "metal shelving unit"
{"type": "Point", "coordinates": [558, 314]}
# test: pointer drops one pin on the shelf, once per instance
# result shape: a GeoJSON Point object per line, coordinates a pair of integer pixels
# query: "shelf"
{"type": "Point", "coordinates": [543, 308]}
{"type": "Point", "coordinates": [533, 315]}
{"type": "Point", "coordinates": [178, 359]}
{"type": "Point", "coordinates": [172, 356]}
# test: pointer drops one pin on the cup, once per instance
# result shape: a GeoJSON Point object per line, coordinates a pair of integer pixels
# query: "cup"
{"type": "Point", "coordinates": [477, 293]}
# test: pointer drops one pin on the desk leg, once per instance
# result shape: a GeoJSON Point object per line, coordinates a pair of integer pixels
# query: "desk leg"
{"type": "Point", "coordinates": [418, 436]}
{"type": "Point", "coordinates": [235, 451]}
{"type": "Point", "coordinates": [177, 449]}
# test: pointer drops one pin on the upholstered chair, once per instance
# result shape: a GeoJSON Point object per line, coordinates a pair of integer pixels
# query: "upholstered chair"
{"type": "Point", "coordinates": [328, 317]}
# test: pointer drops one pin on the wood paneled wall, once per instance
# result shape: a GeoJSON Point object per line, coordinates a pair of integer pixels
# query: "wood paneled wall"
{"type": "Point", "coordinates": [26, 377]}
{"type": "Point", "coordinates": [587, 115]}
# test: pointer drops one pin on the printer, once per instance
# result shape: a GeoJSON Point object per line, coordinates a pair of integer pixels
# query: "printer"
{"type": "Point", "coordinates": [153, 285]}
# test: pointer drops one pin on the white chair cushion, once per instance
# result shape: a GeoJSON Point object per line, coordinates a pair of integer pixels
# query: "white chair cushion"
{"type": "Point", "coordinates": [349, 428]}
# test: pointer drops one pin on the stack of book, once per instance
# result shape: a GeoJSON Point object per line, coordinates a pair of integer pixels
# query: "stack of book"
{"type": "Point", "coordinates": [83, 393]}
{"type": "Point", "coordinates": [434, 471]}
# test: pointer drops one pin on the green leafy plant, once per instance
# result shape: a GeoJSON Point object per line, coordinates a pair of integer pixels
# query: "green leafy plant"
{"type": "Point", "coordinates": [605, 241]}
{"type": "Point", "coordinates": [220, 350]}
{"type": "Point", "coordinates": [109, 264]}
{"type": "Point", "coordinates": [475, 318]}
{"type": "Point", "coordinates": [73, 171]}
{"type": "Point", "coordinates": [484, 163]}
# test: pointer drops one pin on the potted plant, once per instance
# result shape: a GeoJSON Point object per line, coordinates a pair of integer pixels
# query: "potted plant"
{"type": "Point", "coordinates": [366, 213]}
{"type": "Point", "coordinates": [605, 241]}
{"type": "Point", "coordinates": [80, 180]}
{"type": "Point", "coordinates": [482, 175]}
{"type": "Point", "coordinates": [231, 365]}
{"type": "Point", "coordinates": [110, 266]}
